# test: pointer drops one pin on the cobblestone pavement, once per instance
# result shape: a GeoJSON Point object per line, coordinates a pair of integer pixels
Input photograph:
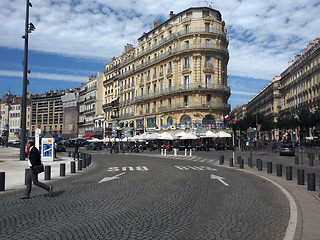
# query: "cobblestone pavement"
{"type": "Point", "coordinates": [148, 198]}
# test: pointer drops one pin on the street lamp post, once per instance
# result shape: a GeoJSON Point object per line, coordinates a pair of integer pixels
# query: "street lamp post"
{"type": "Point", "coordinates": [28, 29]}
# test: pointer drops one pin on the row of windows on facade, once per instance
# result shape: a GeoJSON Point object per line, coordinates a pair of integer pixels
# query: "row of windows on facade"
{"type": "Point", "coordinates": [186, 85]}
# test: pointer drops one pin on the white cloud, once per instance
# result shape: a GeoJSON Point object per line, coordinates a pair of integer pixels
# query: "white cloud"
{"type": "Point", "coordinates": [49, 76]}
{"type": "Point", "coordinates": [264, 35]}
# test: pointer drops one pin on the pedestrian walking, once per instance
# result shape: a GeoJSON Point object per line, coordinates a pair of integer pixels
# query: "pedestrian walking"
{"type": "Point", "coordinates": [34, 160]}
{"type": "Point", "coordinates": [76, 150]}
{"type": "Point", "coordinates": [55, 149]}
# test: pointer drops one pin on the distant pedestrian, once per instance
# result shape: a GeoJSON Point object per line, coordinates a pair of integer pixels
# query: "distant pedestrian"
{"type": "Point", "coordinates": [34, 160]}
{"type": "Point", "coordinates": [76, 150]}
{"type": "Point", "coordinates": [55, 149]}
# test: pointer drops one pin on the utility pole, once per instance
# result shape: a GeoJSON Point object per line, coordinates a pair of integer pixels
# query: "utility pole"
{"type": "Point", "coordinates": [28, 29]}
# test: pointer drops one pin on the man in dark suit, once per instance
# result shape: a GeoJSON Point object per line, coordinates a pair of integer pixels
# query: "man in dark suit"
{"type": "Point", "coordinates": [34, 160]}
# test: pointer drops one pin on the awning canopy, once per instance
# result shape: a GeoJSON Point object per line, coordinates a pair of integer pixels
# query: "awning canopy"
{"type": "Point", "coordinates": [88, 135]}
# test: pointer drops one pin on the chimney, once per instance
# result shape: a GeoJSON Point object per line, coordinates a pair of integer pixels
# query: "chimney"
{"type": "Point", "coordinates": [297, 57]}
{"type": "Point", "coordinates": [171, 14]}
{"type": "Point", "coordinates": [128, 48]}
{"type": "Point", "coordinates": [156, 24]}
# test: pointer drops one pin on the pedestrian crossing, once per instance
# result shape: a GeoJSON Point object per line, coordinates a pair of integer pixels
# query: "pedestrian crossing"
{"type": "Point", "coordinates": [181, 157]}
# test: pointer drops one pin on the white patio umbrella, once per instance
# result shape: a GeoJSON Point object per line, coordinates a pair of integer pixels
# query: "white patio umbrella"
{"type": "Point", "coordinates": [152, 136]}
{"type": "Point", "coordinates": [106, 140]}
{"type": "Point", "coordinates": [222, 134]}
{"type": "Point", "coordinates": [166, 136]}
{"type": "Point", "coordinates": [210, 134]}
{"type": "Point", "coordinates": [180, 134]}
{"type": "Point", "coordinates": [189, 136]}
{"type": "Point", "coordinates": [95, 140]}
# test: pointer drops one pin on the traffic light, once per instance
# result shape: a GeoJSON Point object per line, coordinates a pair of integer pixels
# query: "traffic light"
{"type": "Point", "coordinates": [234, 125]}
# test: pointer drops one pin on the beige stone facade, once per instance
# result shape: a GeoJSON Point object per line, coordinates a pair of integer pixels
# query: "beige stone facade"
{"type": "Point", "coordinates": [90, 105]}
{"type": "Point", "coordinates": [300, 82]}
{"type": "Point", "coordinates": [176, 76]}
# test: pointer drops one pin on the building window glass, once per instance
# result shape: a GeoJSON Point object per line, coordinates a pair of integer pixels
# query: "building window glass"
{"type": "Point", "coordinates": [186, 63]}
{"type": "Point", "coordinates": [186, 28]}
{"type": "Point", "coordinates": [208, 100]}
{"type": "Point", "coordinates": [185, 101]}
{"type": "Point", "coordinates": [185, 120]}
{"type": "Point", "coordinates": [186, 45]}
{"type": "Point", "coordinates": [208, 81]}
{"type": "Point", "coordinates": [208, 62]}
{"type": "Point", "coordinates": [208, 43]}
{"type": "Point", "coordinates": [186, 82]}
{"type": "Point", "coordinates": [151, 122]}
{"type": "Point", "coordinates": [207, 27]}
{"type": "Point", "coordinates": [170, 121]}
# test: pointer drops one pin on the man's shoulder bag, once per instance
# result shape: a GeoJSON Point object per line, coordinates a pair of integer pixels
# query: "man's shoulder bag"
{"type": "Point", "coordinates": [38, 169]}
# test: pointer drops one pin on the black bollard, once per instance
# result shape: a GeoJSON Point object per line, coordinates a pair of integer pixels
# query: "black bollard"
{"type": "Point", "coordinates": [87, 160]}
{"type": "Point", "coordinates": [311, 182]}
{"type": "Point", "coordinates": [241, 165]}
{"type": "Point", "coordinates": [78, 156]}
{"type": "Point", "coordinates": [296, 160]}
{"type": "Point", "coordinates": [257, 162]}
{"type": "Point", "coordinates": [2, 181]}
{"type": "Point", "coordinates": [47, 173]}
{"type": "Point", "coordinates": [84, 163]}
{"type": "Point", "coordinates": [62, 169]}
{"type": "Point", "coordinates": [288, 173]}
{"type": "Point", "coordinates": [300, 174]}
{"type": "Point", "coordinates": [79, 165]}
{"type": "Point", "coordinates": [279, 170]}
{"type": "Point", "coordinates": [260, 165]}
{"type": "Point", "coordinates": [81, 155]}
{"type": "Point", "coordinates": [90, 159]}
{"type": "Point", "coordinates": [69, 154]}
{"type": "Point", "coordinates": [221, 159]}
{"type": "Point", "coordinates": [26, 173]}
{"type": "Point", "coordinates": [230, 162]}
{"type": "Point", "coordinates": [249, 162]}
{"type": "Point", "coordinates": [238, 159]}
{"type": "Point", "coordinates": [73, 167]}
{"type": "Point", "coordinates": [269, 167]}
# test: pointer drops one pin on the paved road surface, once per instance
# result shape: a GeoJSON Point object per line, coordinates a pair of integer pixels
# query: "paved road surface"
{"type": "Point", "coordinates": [148, 198]}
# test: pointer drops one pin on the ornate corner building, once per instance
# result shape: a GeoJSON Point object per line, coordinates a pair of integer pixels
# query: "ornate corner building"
{"type": "Point", "coordinates": [177, 75]}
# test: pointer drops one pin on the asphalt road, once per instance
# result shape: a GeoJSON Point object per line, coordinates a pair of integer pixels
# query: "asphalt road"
{"type": "Point", "coordinates": [144, 197]}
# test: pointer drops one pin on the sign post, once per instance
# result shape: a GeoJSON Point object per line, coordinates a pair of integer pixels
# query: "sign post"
{"type": "Point", "coordinates": [47, 148]}
{"type": "Point", "coordinates": [37, 133]}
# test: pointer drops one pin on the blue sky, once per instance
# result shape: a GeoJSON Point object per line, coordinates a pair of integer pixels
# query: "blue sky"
{"type": "Point", "coordinates": [75, 39]}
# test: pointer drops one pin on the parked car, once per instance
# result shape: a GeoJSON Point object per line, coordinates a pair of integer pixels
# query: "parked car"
{"type": "Point", "coordinates": [95, 146]}
{"type": "Point", "coordinates": [61, 147]}
{"type": "Point", "coordinates": [287, 149]}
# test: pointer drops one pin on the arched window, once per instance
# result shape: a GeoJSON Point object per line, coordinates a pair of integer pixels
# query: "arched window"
{"type": "Point", "coordinates": [185, 120]}
{"type": "Point", "coordinates": [208, 119]}
{"type": "Point", "coordinates": [170, 121]}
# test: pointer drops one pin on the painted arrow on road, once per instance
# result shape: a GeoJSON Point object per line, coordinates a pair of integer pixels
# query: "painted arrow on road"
{"type": "Point", "coordinates": [106, 179]}
{"type": "Point", "coordinates": [219, 179]}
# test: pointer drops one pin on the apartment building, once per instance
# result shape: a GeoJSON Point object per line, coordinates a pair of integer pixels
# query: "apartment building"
{"type": "Point", "coordinates": [47, 112]}
{"type": "Point", "coordinates": [70, 113]}
{"type": "Point", "coordinates": [175, 77]}
{"type": "Point", "coordinates": [90, 107]}
{"type": "Point", "coordinates": [300, 82]}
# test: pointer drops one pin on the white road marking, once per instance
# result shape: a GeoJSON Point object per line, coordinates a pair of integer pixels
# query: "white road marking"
{"type": "Point", "coordinates": [106, 179]}
{"type": "Point", "coordinates": [219, 179]}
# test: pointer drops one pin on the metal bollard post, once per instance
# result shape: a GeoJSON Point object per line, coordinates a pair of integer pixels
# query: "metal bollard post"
{"type": "Point", "coordinates": [249, 162]}
{"type": "Point", "coordinates": [161, 151]}
{"type": "Point", "coordinates": [241, 164]}
{"type": "Point", "coordinates": [185, 152]}
{"type": "Point", "coordinates": [221, 160]}
{"type": "Point", "coordinates": [311, 182]}
{"type": "Point", "coordinates": [175, 151]}
{"type": "Point", "coordinates": [62, 169]}
{"type": "Point", "coordinates": [257, 162]}
{"type": "Point", "coordinates": [279, 170]}
{"type": "Point", "coordinates": [288, 173]}
{"type": "Point", "coordinates": [269, 167]}
{"type": "Point", "coordinates": [69, 154]}
{"type": "Point", "coordinates": [165, 152]}
{"type": "Point", "coordinates": [190, 152]}
{"type": "Point", "coordinates": [300, 174]}
{"type": "Point", "coordinates": [88, 161]}
{"type": "Point", "coordinates": [84, 163]}
{"type": "Point", "coordinates": [47, 173]}
{"type": "Point", "coordinates": [73, 167]}
{"type": "Point", "coordinates": [260, 165]}
{"type": "Point", "coordinates": [2, 181]}
{"type": "Point", "coordinates": [230, 162]}
{"type": "Point", "coordinates": [26, 173]}
{"type": "Point", "coordinates": [296, 160]}
{"type": "Point", "coordinates": [238, 159]}
{"type": "Point", "coordinates": [79, 165]}
{"type": "Point", "coordinates": [78, 156]}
